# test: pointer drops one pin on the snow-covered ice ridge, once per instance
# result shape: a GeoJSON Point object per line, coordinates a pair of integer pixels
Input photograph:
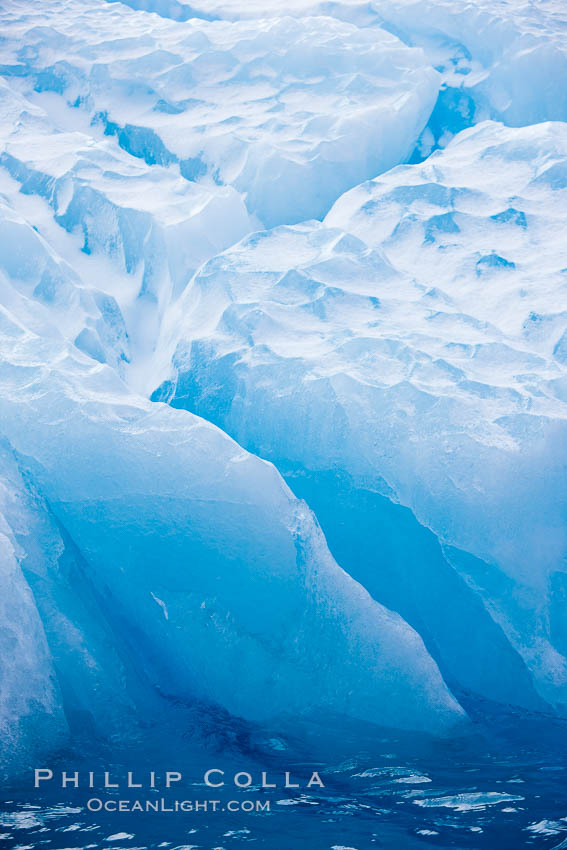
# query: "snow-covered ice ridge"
{"type": "Point", "coordinates": [314, 105]}
{"type": "Point", "coordinates": [238, 248]}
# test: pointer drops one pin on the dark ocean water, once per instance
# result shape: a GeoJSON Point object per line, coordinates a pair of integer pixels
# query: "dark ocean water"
{"type": "Point", "coordinates": [502, 786]}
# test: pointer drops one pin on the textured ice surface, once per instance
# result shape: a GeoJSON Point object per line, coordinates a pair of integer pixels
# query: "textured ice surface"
{"type": "Point", "coordinates": [45, 290]}
{"type": "Point", "coordinates": [96, 689]}
{"type": "Point", "coordinates": [414, 343]}
{"type": "Point", "coordinates": [290, 113]}
{"type": "Point", "coordinates": [147, 230]}
{"type": "Point", "coordinates": [31, 715]}
{"type": "Point", "coordinates": [139, 216]}
{"type": "Point", "coordinates": [503, 60]}
{"type": "Point", "coordinates": [511, 57]}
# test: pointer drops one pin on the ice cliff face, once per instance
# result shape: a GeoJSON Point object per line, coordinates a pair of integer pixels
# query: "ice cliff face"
{"type": "Point", "coordinates": [413, 343]}
{"type": "Point", "coordinates": [31, 715]}
{"type": "Point", "coordinates": [333, 237]}
{"type": "Point", "coordinates": [188, 549]}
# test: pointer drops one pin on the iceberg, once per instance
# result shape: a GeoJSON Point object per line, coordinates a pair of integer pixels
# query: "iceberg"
{"type": "Point", "coordinates": [207, 577]}
{"type": "Point", "coordinates": [409, 351]}
{"type": "Point", "coordinates": [283, 351]}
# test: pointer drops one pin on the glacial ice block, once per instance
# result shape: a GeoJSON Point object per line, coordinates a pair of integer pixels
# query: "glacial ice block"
{"type": "Point", "coordinates": [149, 221]}
{"type": "Point", "coordinates": [509, 58]}
{"type": "Point", "coordinates": [31, 713]}
{"type": "Point", "coordinates": [412, 349]}
{"type": "Point", "coordinates": [289, 113]}
{"type": "Point", "coordinates": [51, 298]}
{"type": "Point", "coordinates": [216, 579]}
{"type": "Point", "coordinates": [97, 691]}
{"type": "Point", "coordinates": [122, 233]}
{"type": "Point", "coordinates": [504, 61]}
